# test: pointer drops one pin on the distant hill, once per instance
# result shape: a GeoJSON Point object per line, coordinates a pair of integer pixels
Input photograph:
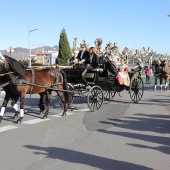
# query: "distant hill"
{"type": "Point", "coordinates": [20, 53]}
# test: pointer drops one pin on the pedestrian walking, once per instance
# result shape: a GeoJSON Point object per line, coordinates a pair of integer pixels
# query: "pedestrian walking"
{"type": "Point", "coordinates": [148, 73]}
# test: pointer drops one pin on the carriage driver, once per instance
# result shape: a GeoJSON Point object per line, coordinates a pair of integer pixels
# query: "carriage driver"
{"type": "Point", "coordinates": [92, 61]}
{"type": "Point", "coordinates": [82, 56]}
{"type": "Point", "coordinates": [123, 76]}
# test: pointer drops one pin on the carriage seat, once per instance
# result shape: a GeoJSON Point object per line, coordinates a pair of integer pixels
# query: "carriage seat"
{"type": "Point", "coordinates": [97, 70]}
{"type": "Point", "coordinates": [91, 73]}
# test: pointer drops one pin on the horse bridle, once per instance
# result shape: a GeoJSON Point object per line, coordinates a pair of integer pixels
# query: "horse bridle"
{"type": "Point", "coordinates": [6, 64]}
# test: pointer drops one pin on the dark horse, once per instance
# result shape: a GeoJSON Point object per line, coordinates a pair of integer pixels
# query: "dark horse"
{"type": "Point", "coordinates": [157, 70]}
{"type": "Point", "coordinates": [166, 73]}
{"type": "Point", "coordinates": [9, 94]}
{"type": "Point", "coordinates": [161, 73]}
{"type": "Point", "coordinates": [44, 81]}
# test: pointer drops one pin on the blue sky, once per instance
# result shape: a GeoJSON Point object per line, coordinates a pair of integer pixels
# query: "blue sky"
{"type": "Point", "coordinates": [130, 23]}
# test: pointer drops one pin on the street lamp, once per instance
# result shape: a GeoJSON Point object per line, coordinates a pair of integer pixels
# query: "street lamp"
{"type": "Point", "coordinates": [29, 31]}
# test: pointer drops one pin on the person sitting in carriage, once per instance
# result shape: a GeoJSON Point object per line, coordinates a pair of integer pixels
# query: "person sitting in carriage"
{"type": "Point", "coordinates": [123, 76]}
{"type": "Point", "coordinates": [92, 61]}
{"type": "Point", "coordinates": [83, 55]}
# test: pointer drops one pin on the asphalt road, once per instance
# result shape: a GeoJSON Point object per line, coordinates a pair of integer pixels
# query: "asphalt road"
{"type": "Point", "coordinates": [121, 135]}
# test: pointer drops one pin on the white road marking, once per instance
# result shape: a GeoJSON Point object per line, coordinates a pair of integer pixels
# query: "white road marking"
{"type": "Point", "coordinates": [30, 122]}
{"type": "Point", "coordinates": [56, 115]}
{"type": "Point", "coordinates": [60, 114]}
{"type": "Point", "coordinates": [70, 113]}
{"type": "Point", "coordinates": [81, 110]}
{"type": "Point", "coordinates": [6, 128]}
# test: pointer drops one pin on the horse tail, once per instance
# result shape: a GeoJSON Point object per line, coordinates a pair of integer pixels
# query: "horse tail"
{"type": "Point", "coordinates": [67, 95]}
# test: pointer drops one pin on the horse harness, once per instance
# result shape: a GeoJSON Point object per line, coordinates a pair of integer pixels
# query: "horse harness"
{"type": "Point", "coordinates": [22, 82]}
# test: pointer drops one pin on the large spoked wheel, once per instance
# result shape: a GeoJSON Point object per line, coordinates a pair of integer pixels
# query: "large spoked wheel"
{"type": "Point", "coordinates": [95, 98]}
{"type": "Point", "coordinates": [109, 95]}
{"type": "Point", "coordinates": [136, 89]}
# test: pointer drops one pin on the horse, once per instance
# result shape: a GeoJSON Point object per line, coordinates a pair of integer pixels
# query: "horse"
{"type": "Point", "coordinates": [43, 81]}
{"type": "Point", "coordinates": [8, 94]}
{"type": "Point", "coordinates": [14, 97]}
{"type": "Point", "coordinates": [165, 72]}
{"type": "Point", "coordinates": [160, 74]}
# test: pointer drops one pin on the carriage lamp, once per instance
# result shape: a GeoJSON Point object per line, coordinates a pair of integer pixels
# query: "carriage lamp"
{"type": "Point", "coordinates": [29, 31]}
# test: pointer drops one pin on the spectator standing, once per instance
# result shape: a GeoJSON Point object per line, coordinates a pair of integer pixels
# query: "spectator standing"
{"type": "Point", "coordinates": [148, 73]}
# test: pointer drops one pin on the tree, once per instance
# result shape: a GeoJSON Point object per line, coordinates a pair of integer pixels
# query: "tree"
{"type": "Point", "coordinates": [65, 53]}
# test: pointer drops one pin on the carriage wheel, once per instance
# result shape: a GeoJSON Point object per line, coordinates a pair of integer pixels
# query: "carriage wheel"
{"type": "Point", "coordinates": [109, 95]}
{"type": "Point", "coordinates": [136, 89]}
{"type": "Point", "coordinates": [95, 98]}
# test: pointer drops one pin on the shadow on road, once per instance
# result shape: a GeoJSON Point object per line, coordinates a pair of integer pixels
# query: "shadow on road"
{"type": "Point", "coordinates": [152, 123]}
{"type": "Point", "coordinates": [72, 156]}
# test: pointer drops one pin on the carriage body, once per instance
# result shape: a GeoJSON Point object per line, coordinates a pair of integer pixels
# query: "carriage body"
{"type": "Point", "coordinates": [100, 85]}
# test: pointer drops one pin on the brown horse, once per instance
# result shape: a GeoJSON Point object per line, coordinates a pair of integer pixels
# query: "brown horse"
{"type": "Point", "coordinates": [43, 81]}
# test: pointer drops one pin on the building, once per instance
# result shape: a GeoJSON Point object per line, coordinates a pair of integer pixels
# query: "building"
{"type": "Point", "coordinates": [46, 58]}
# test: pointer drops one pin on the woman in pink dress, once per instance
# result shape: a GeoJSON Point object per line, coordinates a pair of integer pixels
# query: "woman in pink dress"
{"type": "Point", "coordinates": [123, 77]}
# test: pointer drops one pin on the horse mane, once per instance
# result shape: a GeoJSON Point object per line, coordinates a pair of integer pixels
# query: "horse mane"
{"type": "Point", "coordinates": [15, 66]}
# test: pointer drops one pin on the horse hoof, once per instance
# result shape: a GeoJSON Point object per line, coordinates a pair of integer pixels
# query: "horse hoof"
{"type": "Point", "coordinates": [45, 117]}
{"type": "Point", "coordinates": [64, 114]}
{"type": "Point", "coordinates": [1, 117]}
{"type": "Point", "coordinates": [40, 113]}
{"type": "Point", "coordinates": [16, 115]}
{"type": "Point", "coordinates": [19, 120]}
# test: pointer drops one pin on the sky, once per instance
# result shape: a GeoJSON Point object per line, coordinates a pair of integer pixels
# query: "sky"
{"type": "Point", "coordinates": [129, 23]}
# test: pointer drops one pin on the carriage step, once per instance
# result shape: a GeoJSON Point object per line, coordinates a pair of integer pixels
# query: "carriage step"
{"type": "Point", "coordinates": [112, 78]}
{"type": "Point", "coordinates": [91, 83]}
{"type": "Point", "coordinates": [112, 81]}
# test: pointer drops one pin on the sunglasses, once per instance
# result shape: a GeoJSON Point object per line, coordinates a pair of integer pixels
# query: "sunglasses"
{"type": "Point", "coordinates": [82, 47]}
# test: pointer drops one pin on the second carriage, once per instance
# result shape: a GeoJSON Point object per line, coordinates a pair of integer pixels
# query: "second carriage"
{"type": "Point", "coordinates": [97, 85]}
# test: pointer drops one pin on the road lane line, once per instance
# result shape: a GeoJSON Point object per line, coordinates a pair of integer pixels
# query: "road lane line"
{"type": "Point", "coordinates": [81, 110]}
{"type": "Point", "coordinates": [56, 115]}
{"type": "Point", "coordinates": [70, 113]}
{"type": "Point", "coordinates": [60, 114]}
{"type": "Point", "coordinates": [6, 128]}
{"type": "Point", "coordinates": [34, 121]}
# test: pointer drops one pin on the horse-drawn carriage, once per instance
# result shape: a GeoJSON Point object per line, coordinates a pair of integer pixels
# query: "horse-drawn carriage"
{"type": "Point", "coordinates": [98, 85]}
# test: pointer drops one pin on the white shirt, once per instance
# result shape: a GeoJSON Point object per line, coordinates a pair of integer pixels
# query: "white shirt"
{"type": "Point", "coordinates": [81, 55]}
